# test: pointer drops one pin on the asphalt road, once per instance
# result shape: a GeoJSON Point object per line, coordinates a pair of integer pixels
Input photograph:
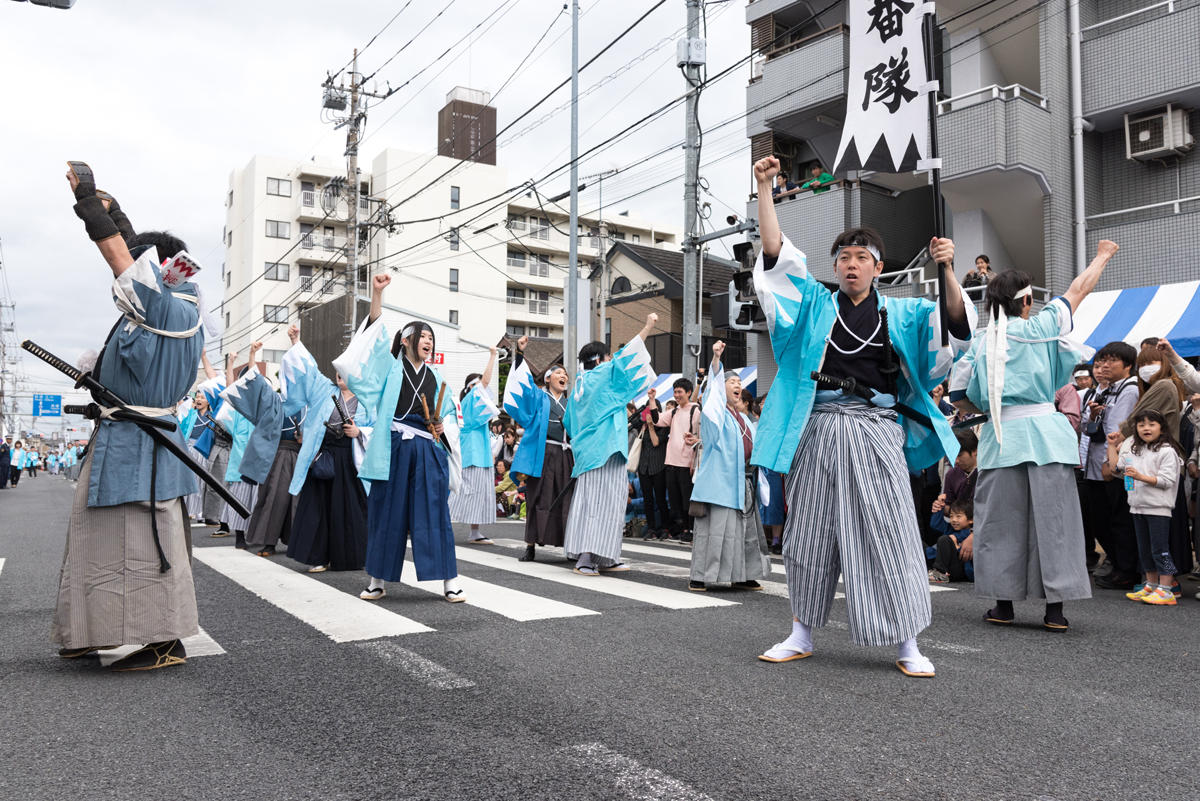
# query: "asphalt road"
{"type": "Point", "coordinates": [639, 701]}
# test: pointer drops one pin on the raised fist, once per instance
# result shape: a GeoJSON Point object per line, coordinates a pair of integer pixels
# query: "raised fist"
{"type": "Point", "coordinates": [293, 333]}
{"type": "Point", "coordinates": [1107, 248]}
{"type": "Point", "coordinates": [766, 169]}
{"type": "Point", "coordinates": [651, 320]}
{"type": "Point", "coordinates": [718, 349]}
{"type": "Point", "coordinates": [522, 342]}
{"type": "Point", "coordinates": [380, 281]}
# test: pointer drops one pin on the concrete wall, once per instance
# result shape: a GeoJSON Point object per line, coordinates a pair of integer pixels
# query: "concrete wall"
{"type": "Point", "coordinates": [973, 236]}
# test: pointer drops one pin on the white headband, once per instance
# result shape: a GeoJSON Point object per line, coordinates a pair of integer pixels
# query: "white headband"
{"type": "Point", "coordinates": [1082, 374]}
{"type": "Point", "coordinates": [1027, 291]}
{"type": "Point", "coordinates": [869, 248]}
{"type": "Point", "coordinates": [472, 382]}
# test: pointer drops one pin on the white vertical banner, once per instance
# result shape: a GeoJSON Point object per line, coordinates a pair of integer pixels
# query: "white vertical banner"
{"type": "Point", "coordinates": [887, 113]}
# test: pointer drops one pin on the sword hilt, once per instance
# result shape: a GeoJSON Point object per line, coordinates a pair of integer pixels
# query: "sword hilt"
{"type": "Point", "coordinates": [52, 360]}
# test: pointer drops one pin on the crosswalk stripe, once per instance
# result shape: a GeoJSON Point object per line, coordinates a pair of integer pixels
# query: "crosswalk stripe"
{"type": "Point", "coordinates": [417, 666]}
{"type": "Point", "coordinates": [646, 593]}
{"type": "Point", "coordinates": [1, 565]}
{"type": "Point", "coordinates": [338, 615]}
{"type": "Point", "coordinates": [197, 645]}
{"type": "Point", "coordinates": [513, 604]}
{"type": "Point", "coordinates": [686, 557]}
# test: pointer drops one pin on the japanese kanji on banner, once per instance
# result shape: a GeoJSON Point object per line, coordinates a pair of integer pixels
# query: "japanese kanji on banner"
{"type": "Point", "coordinates": [887, 113]}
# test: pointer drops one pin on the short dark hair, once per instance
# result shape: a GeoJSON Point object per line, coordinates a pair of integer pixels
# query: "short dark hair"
{"type": "Point", "coordinates": [986, 260]}
{"type": "Point", "coordinates": [467, 385]}
{"type": "Point", "coordinates": [167, 244]}
{"type": "Point", "coordinates": [858, 237]}
{"type": "Point", "coordinates": [684, 384]}
{"type": "Point", "coordinates": [1116, 350]}
{"type": "Point", "coordinates": [1083, 366]}
{"type": "Point", "coordinates": [816, 165]}
{"type": "Point", "coordinates": [967, 441]}
{"type": "Point", "coordinates": [1150, 341]}
{"type": "Point", "coordinates": [1002, 292]}
{"type": "Point", "coordinates": [963, 506]}
{"type": "Point", "coordinates": [592, 354]}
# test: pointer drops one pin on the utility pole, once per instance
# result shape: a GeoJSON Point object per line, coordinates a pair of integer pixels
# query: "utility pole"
{"type": "Point", "coordinates": [691, 57]}
{"type": "Point", "coordinates": [605, 275]}
{"type": "Point", "coordinates": [571, 340]}
{"type": "Point", "coordinates": [335, 99]}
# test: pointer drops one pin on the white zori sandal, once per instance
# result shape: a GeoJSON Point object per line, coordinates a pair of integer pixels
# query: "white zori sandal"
{"type": "Point", "coordinates": [915, 666]}
{"type": "Point", "coordinates": [372, 595]}
{"type": "Point", "coordinates": [796, 653]}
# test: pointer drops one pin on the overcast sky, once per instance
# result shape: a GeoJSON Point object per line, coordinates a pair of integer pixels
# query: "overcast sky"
{"type": "Point", "coordinates": [164, 99]}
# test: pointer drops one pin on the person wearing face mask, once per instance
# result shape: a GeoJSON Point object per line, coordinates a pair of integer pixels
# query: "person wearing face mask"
{"type": "Point", "coordinates": [1162, 391]}
{"type": "Point", "coordinates": [547, 459]}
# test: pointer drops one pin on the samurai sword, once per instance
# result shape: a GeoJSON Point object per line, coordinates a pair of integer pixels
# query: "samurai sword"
{"type": "Point", "coordinates": [150, 425]}
{"type": "Point", "coordinates": [336, 429]}
{"type": "Point", "coordinates": [971, 422]}
{"type": "Point", "coordinates": [851, 387]}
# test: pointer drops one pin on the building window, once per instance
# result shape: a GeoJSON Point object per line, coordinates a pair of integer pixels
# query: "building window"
{"type": "Point", "coordinates": [278, 230]}
{"type": "Point", "coordinates": [308, 194]}
{"type": "Point", "coordinates": [516, 222]}
{"type": "Point", "coordinates": [540, 266]}
{"type": "Point", "coordinates": [516, 259]}
{"type": "Point", "coordinates": [454, 316]}
{"type": "Point", "coordinates": [275, 314]}
{"type": "Point", "coordinates": [619, 236]}
{"type": "Point", "coordinates": [516, 296]}
{"type": "Point", "coordinates": [621, 285]}
{"type": "Point", "coordinates": [229, 242]}
{"type": "Point", "coordinates": [516, 331]}
{"type": "Point", "coordinates": [226, 321]}
{"type": "Point", "coordinates": [305, 272]}
{"type": "Point", "coordinates": [539, 227]}
{"type": "Point", "coordinates": [453, 280]}
{"type": "Point", "coordinates": [279, 186]}
{"type": "Point", "coordinates": [454, 197]}
{"type": "Point", "coordinates": [276, 271]}
{"type": "Point", "coordinates": [231, 198]}
{"type": "Point", "coordinates": [272, 355]}
{"type": "Point", "coordinates": [539, 302]}
{"type": "Point", "coordinates": [608, 331]}
{"type": "Point", "coordinates": [636, 239]}
{"type": "Point", "coordinates": [228, 280]}
{"type": "Point", "coordinates": [544, 333]}
{"type": "Point", "coordinates": [454, 239]}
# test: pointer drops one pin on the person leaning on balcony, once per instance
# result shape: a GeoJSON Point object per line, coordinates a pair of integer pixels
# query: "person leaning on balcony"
{"type": "Point", "coordinates": [782, 184]}
{"type": "Point", "coordinates": [981, 274]}
{"type": "Point", "coordinates": [820, 180]}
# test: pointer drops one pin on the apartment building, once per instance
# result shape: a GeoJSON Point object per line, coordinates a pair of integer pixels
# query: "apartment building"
{"type": "Point", "coordinates": [460, 248]}
{"type": "Point", "coordinates": [1010, 175]}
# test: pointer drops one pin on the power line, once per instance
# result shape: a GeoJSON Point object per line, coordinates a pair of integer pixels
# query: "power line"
{"type": "Point", "coordinates": [410, 41]}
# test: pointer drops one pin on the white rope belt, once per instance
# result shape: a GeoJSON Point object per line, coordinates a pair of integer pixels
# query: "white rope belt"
{"type": "Point", "coordinates": [150, 411]}
{"type": "Point", "coordinates": [1026, 410]}
{"type": "Point", "coordinates": [408, 432]}
{"type": "Point", "coordinates": [566, 446]}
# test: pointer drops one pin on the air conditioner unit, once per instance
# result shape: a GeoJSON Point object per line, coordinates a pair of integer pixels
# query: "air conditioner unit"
{"type": "Point", "coordinates": [1157, 135]}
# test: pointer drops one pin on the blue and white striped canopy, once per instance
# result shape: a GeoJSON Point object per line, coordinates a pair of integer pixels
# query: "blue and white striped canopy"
{"type": "Point", "coordinates": [662, 384]}
{"type": "Point", "coordinates": [1170, 310]}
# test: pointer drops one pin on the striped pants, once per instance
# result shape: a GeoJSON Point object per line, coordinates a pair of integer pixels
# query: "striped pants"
{"type": "Point", "coordinates": [596, 521]}
{"type": "Point", "coordinates": [475, 501]}
{"type": "Point", "coordinates": [850, 510]}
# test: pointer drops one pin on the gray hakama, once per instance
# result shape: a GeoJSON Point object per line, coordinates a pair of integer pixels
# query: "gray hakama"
{"type": "Point", "coordinates": [248, 495]}
{"type": "Point", "coordinates": [475, 501]}
{"type": "Point", "coordinates": [275, 509]}
{"type": "Point", "coordinates": [851, 512]}
{"type": "Point", "coordinates": [729, 545]}
{"type": "Point", "coordinates": [194, 503]}
{"type": "Point", "coordinates": [596, 521]}
{"type": "Point", "coordinates": [1029, 540]}
{"type": "Point", "coordinates": [110, 591]}
{"type": "Point", "coordinates": [218, 462]}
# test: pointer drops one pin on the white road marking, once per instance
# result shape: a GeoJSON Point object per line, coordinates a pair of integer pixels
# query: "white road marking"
{"type": "Point", "coordinates": [924, 642]}
{"type": "Point", "coordinates": [646, 593]}
{"type": "Point", "coordinates": [510, 603]}
{"type": "Point", "coordinates": [628, 775]}
{"type": "Point", "coordinates": [685, 556]}
{"type": "Point", "coordinates": [1, 565]}
{"type": "Point", "coordinates": [417, 666]}
{"type": "Point", "coordinates": [338, 615]}
{"type": "Point", "coordinates": [197, 645]}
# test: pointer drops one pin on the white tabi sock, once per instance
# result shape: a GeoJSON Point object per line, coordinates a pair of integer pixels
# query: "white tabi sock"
{"type": "Point", "coordinates": [376, 584]}
{"type": "Point", "coordinates": [909, 650]}
{"type": "Point", "coordinates": [801, 638]}
{"type": "Point", "coordinates": [449, 585]}
{"type": "Point", "coordinates": [475, 535]}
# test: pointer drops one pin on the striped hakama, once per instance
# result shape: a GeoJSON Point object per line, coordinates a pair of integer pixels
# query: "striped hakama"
{"type": "Point", "coordinates": [194, 503]}
{"type": "Point", "coordinates": [475, 501]}
{"type": "Point", "coordinates": [218, 462]}
{"type": "Point", "coordinates": [247, 494]}
{"type": "Point", "coordinates": [1029, 540]}
{"type": "Point", "coordinates": [851, 512]}
{"type": "Point", "coordinates": [596, 520]}
{"type": "Point", "coordinates": [275, 508]}
{"type": "Point", "coordinates": [110, 590]}
{"type": "Point", "coordinates": [543, 525]}
{"type": "Point", "coordinates": [729, 545]}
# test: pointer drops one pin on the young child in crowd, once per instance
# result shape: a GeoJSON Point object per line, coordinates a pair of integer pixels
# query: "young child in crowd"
{"type": "Point", "coordinates": [952, 554]}
{"type": "Point", "coordinates": [1150, 463]}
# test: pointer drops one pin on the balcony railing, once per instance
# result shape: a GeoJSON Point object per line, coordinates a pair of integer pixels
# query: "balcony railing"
{"type": "Point", "coordinates": [535, 305]}
{"type": "Point", "coordinates": [308, 197]}
{"type": "Point", "coordinates": [993, 92]}
{"type": "Point", "coordinates": [784, 49]}
{"type": "Point", "coordinates": [327, 242]}
{"type": "Point", "coordinates": [1174, 204]}
{"type": "Point", "coordinates": [1170, 6]}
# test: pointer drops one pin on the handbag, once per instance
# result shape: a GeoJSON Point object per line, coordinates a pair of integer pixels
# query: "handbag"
{"type": "Point", "coordinates": [322, 467]}
{"type": "Point", "coordinates": [635, 453]}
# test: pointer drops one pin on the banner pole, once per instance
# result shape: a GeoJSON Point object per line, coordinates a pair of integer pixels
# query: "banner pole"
{"type": "Point", "coordinates": [939, 221]}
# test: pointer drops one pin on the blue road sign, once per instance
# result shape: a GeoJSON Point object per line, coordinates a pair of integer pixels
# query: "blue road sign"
{"type": "Point", "coordinates": [47, 405]}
